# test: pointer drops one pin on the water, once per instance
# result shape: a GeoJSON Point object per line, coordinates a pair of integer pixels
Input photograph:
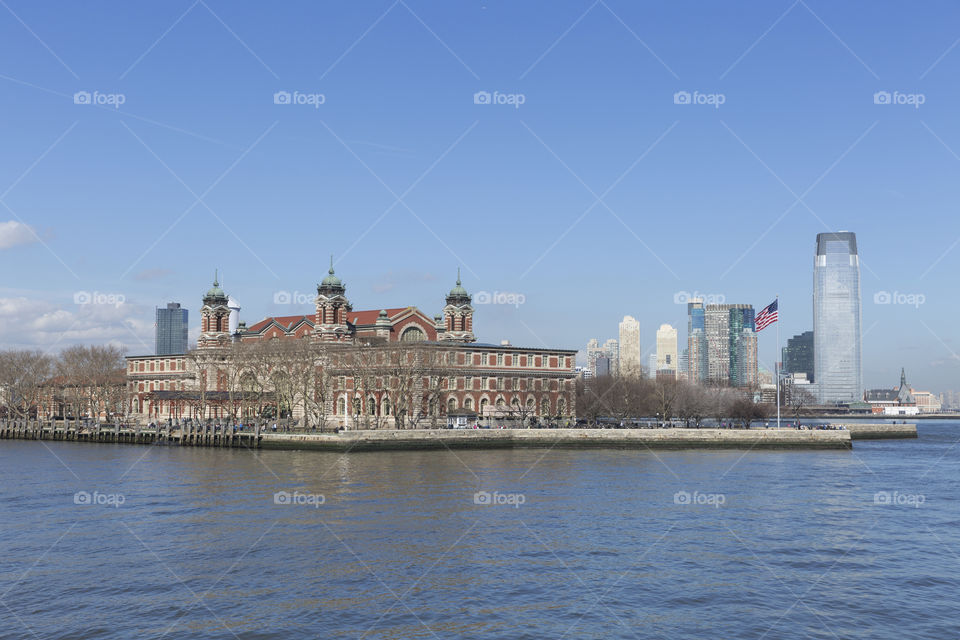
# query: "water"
{"type": "Point", "coordinates": [585, 544]}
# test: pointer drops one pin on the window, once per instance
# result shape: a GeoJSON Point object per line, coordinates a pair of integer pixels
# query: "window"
{"type": "Point", "coordinates": [413, 334]}
{"type": "Point", "coordinates": [468, 404]}
{"type": "Point", "coordinates": [452, 404]}
{"type": "Point", "coordinates": [499, 359]}
{"type": "Point", "coordinates": [469, 382]}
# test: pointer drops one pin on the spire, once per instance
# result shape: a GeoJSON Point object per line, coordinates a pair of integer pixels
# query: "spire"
{"type": "Point", "coordinates": [458, 276]}
{"type": "Point", "coordinates": [903, 377]}
{"type": "Point", "coordinates": [216, 278]}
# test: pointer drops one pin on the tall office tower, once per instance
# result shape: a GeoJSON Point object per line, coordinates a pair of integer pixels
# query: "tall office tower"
{"type": "Point", "coordinates": [594, 351]}
{"type": "Point", "coordinates": [798, 355]}
{"type": "Point", "coordinates": [837, 364]}
{"type": "Point", "coordinates": [631, 363]}
{"type": "Point", "coordinates": [731, 344]}
{"type": "Point", "coordinates": [602, 366]}
{"type": "Point", "coordinates": [696, 341]}
{"type": "Point", "coordinates": [667, 349]}
{"type": "Point", "coordinates": [171, 333]}
{"type": "Point", "coordinates": [611, 349]}
{"type": "Point", "coordinates": [683, 367]}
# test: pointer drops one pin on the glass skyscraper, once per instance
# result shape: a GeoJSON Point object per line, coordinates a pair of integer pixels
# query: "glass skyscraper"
{"type": "Point", "coordinates": [171, 336]}
{"type": "Point", "coordinates": [836, 319]}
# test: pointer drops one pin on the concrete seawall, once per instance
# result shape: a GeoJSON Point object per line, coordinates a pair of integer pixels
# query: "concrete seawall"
{"type": "Point", "coordinates": [881, 431]}
{"type": "Point", "coordinates": [560, 438]}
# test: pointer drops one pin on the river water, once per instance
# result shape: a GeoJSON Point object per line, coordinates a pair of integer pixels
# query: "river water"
{"type": "Point", "coordinates": [120, 541]}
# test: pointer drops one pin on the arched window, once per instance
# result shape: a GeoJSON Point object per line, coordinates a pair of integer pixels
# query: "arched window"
{"type": "Point", "coordinates": [342, 407]}
{"type": "Point", "coordinates": [413, 334]}
{"type": "Point", "coordinates": [371, 406]}
{"type": "Point", "coordinates": [468, 404]}
{"type": "Point", "coordinates": [385, 407]}
{"type": "Point", "coordinates": [483, 406]}
{"type": "Point", "coordinates": [452, 404]}
{"type": "Point", "coordinates": [561, 407]}
{"type": "Point", "coordinates": [545, 407]}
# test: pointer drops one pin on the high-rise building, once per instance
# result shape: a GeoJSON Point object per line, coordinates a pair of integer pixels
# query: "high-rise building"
{"type": "Point", "coordinates": [171, 333]}
{"type": "Point", "coordinates": [838, 375]}
{"type": "Point", "coordinates": [696, 341]}
{"type": "Point", "coordinates": [594, 351]}
{"type": "Point", "coordinates": [798, 355]}
{"type": "Point", "coordinates": [611, 349]}
{"type": "Point", "coordinates": [602, 365]}
{"type": "Point", "coordinates": [631, 363]}
{"type": "Point", "coordinates": [667, 349]}
{"type": "Point", "coordinates": [731, 344]}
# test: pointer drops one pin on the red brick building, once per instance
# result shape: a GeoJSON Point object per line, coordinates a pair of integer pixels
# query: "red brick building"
{"type": "Point", "coordinates": [379, 367]}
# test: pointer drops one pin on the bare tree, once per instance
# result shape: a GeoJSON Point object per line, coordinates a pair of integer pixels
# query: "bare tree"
{"type": "Point", "coordinates": [22, 374]}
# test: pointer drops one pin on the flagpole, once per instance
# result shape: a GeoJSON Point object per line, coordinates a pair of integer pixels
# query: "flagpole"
{"type": "Point", "coordinates": [776, 362]}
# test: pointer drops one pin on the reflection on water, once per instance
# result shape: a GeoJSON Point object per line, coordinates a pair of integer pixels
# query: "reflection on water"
{"type": "Point", "coordinates": [509, 544]}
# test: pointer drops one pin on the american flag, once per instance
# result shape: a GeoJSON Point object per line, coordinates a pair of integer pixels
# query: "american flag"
{"type": "Point", "coordinates": [767, 317]}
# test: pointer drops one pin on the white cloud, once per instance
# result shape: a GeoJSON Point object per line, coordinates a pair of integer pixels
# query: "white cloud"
{"type": "Point", "coordinates": [13, 233]}
{"type": "Point", "coordinates": [33, 323]}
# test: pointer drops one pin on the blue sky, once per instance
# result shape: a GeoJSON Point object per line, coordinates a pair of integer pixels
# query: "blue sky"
{"type": "Point", "coordinates": [598, 196]}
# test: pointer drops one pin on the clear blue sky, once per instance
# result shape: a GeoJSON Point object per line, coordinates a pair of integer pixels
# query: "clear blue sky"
{"type": "Point", "coordinates": [723, 201]}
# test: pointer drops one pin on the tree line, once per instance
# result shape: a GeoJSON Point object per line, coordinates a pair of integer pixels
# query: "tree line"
{"type": "Point", "coordinates": [627, 398]}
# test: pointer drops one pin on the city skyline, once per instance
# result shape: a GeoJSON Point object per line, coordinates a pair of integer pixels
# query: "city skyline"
{"type": "Point", "coordinates": [127, 182]}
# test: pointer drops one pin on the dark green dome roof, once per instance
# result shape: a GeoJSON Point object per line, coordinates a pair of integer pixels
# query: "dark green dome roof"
{"type": "Point", "coordinates": [331, 280]}
{"type": "Point", "coordinates": [458, 292]}
{"type": "Point", "coordinates": [215, 291]}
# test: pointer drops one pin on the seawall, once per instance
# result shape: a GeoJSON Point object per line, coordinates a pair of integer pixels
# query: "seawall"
{"type": "Point", "coordinates": [420, 439]}
{"type": "Point", "coordinates": [880, 431]}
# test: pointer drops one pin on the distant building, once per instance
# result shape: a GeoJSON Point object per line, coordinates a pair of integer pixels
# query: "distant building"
{"type": "Point", "coordinates": [838, 375]}
{"type": "Point", "coordinates": [631, 363]}
{"type": "Point", "coordinates": [696, 341]}
{"type": "Point", "coordinates": [893, 402]}
{"type": "Point", "coordinates": [612, 350]}
{"type": "Point", "coordinates": [171, 331]}
{"type": "Point", "coordinates": [731, 342]}
{"type": "Point", "coordinates": [594, 351]}
{"type": "Point", "coordinates": [602, 365]}
{"type": "Point", "coordinates": [667, 349]}
{"type": "Point", "coordinates": [798, 355]}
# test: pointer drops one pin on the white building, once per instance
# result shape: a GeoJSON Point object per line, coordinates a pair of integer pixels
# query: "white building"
{"type": "Point", "coordinates": [631, 362]}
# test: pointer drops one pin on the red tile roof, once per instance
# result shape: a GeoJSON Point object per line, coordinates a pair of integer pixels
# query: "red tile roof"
{"type": "Point", "coordinates": [366, 317]}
